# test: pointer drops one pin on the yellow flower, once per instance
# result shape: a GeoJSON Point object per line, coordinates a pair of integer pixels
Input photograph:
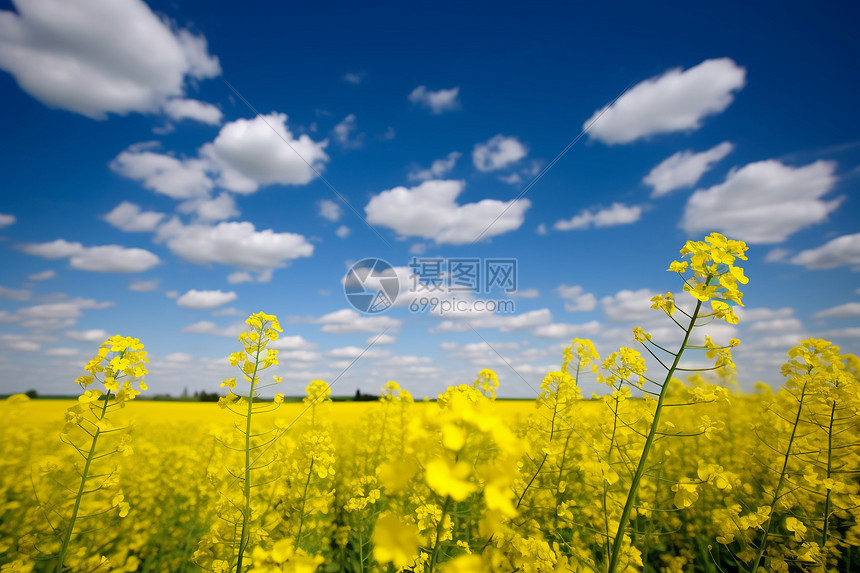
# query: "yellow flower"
{"type": "Point", "coordinates": [449, 480]}
{"type": "Point", "coordinates": [394, 541]}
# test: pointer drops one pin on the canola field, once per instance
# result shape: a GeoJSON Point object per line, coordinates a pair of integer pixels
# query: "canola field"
{"type": "Point", "coordinates": [669, 469]}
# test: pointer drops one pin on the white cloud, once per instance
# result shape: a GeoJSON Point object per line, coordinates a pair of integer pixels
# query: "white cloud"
{"type": "Point", "coordinates": [250, 153]}
{"type": "Point", "coordinates": [763, 202]}
{"type": "Point", "coordinates": [6, 220]}
{"type": "Point", "coordinates": [207, 327]}
{"type": "Point", "coordinates": [54, 315]}
{"type": "Point", "coordinates": [684, 169]}
{"type": "Point", "coordinates": [439, 101]}
{"type": "Point", "coordinates": [353, 78]}
{"type": "Point", "coordinates": [347, 320]}
{"type": "Point", "coordinates": [847, 310]}
{"type": "Point", "coordinates": [850, 332]}
{"type": "Point", "coordinates": [105, 258]}
{"type": "Point", "coordinates": [294, 342]}
{"type": "Point", "coordinates": [130, 218]}
{"type": "Point", "coordinates": [541, 229]}
{"type": "Point", "coordinates": [439, 168]}
{"type": "Point", "coordinates": [498, 152]}
{"type": "Point", "coordinates": [62, 352]}
{"type": "Point", "coordinates": [381, 339]}
{"type": "Point", "coordinates": [346, 133]}
{"type": "Point", "coordinates": [525, 293]}
{"type": "Point", "coordinates": [343, 231]}
{"type": "Point", "coordinates": [211, 210]}
{"type": "Point", "coordinates": [465, 321]}
{"type": "Point", "coordinates": [330, 210]}
{"type": "Point", "coordinates": [354, 352]}
{"type": "Point", "coordinates": [617, 214]}
{"type": "Point", "coordinates": [776, 325]}
{"type": "Point", "coordinates": [841, 251]}
{"type": "Point", "coordinates": [776, 255]}
{"type": "Point", "coordinates": [563, 330]}
{"type": "Point", "coordinates": [629, 305]}
{"type": "Point", "coordinates": [165, 174]}
{"type": "Point", "coordinates": [675, 101]}
{"type": "Point", "coordinates": [746, 314]}
{"type": "Point", "coordinates": [20, 343]}
{"type": "Point", "coordinates": [144, 286]}
{"type": "Point", "coordinates": [42, 276]}
{"type": "Point", "coordinates": [96, 57]}
{"type": "Point", "coordinates": [201, 111]}
{"type": "Point", "coordinates": [430, 210]}
{"type": "Point", "coordinates": [205, 299]}
{"type": "Point", "coordinates": [240, 277]}
{"type": "Point", "coordinates": [14, 294]}
{"type": "Point", "coordinates": [93, 335]}
{"type": "Point", "coordinates": [576, 299]}
{"type": "Point", "coordinates": [234, 243]}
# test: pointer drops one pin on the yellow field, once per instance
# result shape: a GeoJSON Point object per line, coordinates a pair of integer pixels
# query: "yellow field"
{"type": "Point", "coordinates": [659, 473]}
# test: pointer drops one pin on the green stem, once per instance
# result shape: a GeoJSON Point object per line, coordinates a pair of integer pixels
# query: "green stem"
{"type": "Point", "coordinates": [245, 535]}
{"type": "Point", "coordinates": [64, 548]}
{"type": "Point", "coordinates": [640, 468]}
{"type": "Point", "coordinates": [304, 501]}
{"type": "Point", "coordinates": [436, 545]}
{"type": "Point", "coordinates": [829, 470]}
{"type": "Point", "coordinates": [782, 475]}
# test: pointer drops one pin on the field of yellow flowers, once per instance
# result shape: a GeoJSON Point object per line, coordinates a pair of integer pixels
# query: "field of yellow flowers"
{"type": "Point", "coordinates": [670, 469]}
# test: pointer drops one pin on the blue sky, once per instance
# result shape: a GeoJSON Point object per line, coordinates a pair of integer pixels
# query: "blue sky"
{"type": "Point", "coordinates": [143, 196]}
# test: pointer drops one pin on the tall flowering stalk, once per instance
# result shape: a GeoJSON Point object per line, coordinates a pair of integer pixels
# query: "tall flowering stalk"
{"type": "Point", "coordinates": [710, 276]}
{"type": "Point", "coordinates": [91, 431]}
{"type": "Point", "coordinates": [226, 547]}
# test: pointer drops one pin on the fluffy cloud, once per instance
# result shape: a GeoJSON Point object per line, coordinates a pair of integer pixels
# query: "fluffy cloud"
{"type": "Point", "coordinates": [94, 335]}
{"type": "Point", "coordinates": [205, 299]}
{"type": "Point", "coordinates": [14, 294]}
{"type": "Point", "coordinates": [165, 174]}
{"type": "Point", "coordinates": [201, 111]}
{"type": "Point", "coordinates": [6, 220]}
{"type": "Point", "coordinates": [675, 101]}
{"type": "Point", "coordinates": [439, 168]}
{"type": "Point", "coordinates": [430, 210]}
{"type": "Point", "coordinates": [497, 153]}
{"type": "Point", "coordinates": [346, 133]}
{"type": "Point", "coordinates": [130, 218]}
{"type": "Point", "coordinates": [330, 210]}
{"type": "Point", "coordinates": [343, 231]}
{"type": "Point", "coordinates": [841, 251]}
{"type": "Point", "coordinates": [250, 153]}
{"type": "Point", "coordinates": [576, 299]}
{"type": "Point", "coordinates": [212, 329]}
{"type": "Point", "coordinates": [211, 210]}
{"type": "Point", "coordinates": [144, 286]}
{"type": "Point", "coordinates": [568, 331]}
{"type": "Point", "coordinates": [617, 214]}
{"type": "Point", "coordinates": [353, 78]}
{"type": "Point", "coordinates": [96, 57]}
{"type": "Point", "coordinates": [763, 202]}
{"type": "Point", "coordinates": [347, 320]}
{"type": "Point", "coordinates": [439, 101]}
{"type": "Point", "coordinates": [54, 315]}
{"type": "Point", "coordinates": [684, 169]}
{"type": "Point", "coordinates": [105, 258]}
{"type": "Point", "coordinates": [42, 276]}
{"type": "Point", "coordinates": [847, 310]}
{"type": "Point", "coordinates": [354, 352]}
{"type": "Point", "coordinates": [233, 243]}
{"type": "Point", "coordinates": [465, 321]}
{"type": "Point", "coordinates": [629, 305]}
